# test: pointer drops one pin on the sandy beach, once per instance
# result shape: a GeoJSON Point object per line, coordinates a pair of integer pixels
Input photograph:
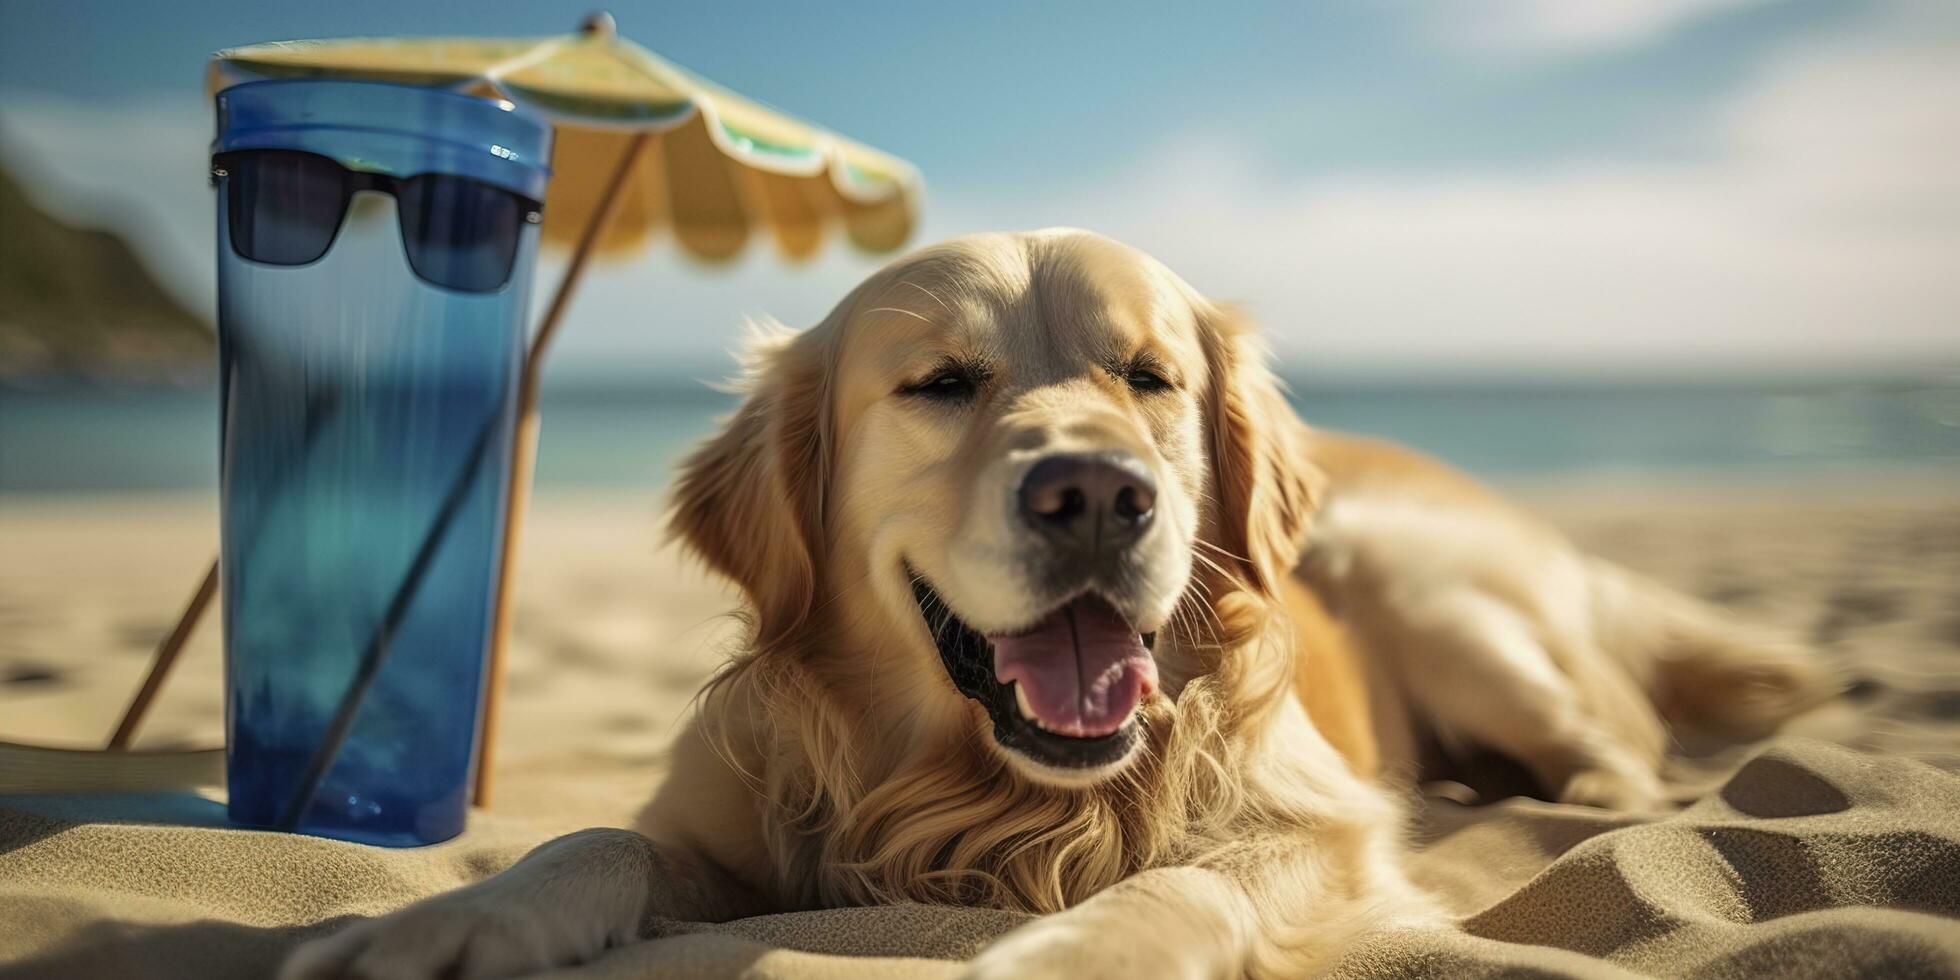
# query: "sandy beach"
{"type": "Point", "coordinates": [615, 630]}
{"type": "Point", "coordinates": [614, 633]}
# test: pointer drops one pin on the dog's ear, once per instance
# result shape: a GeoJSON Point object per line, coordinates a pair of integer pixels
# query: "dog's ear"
{"type": "Point", "coordinates": [1264, 487]}
{"type": "Point", "coordinates": [750, 501]}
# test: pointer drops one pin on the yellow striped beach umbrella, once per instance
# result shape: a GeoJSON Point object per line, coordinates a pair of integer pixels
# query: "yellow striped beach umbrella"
{"type": "Point", "coordinates": [717, 166]}
{"type": "Point", "coordinates": [640, 145]}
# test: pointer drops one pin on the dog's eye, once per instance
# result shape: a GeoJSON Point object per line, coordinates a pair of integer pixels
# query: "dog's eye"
{"type": "Point", "coordinates": [1146, 380]}
{"type": "Point", "coordinates": [951, 383]}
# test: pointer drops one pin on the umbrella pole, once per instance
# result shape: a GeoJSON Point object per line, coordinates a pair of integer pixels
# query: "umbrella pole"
{"type": "Point", "coordinates": [165, 658]}
{"type": "Point", "coordinates": [524, 459]}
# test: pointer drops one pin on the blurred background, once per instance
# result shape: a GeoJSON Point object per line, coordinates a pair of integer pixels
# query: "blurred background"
{"type": "Point", "coordinates": [1536, 236]}
{"type": "Point", "coordinates": [1669, 268]}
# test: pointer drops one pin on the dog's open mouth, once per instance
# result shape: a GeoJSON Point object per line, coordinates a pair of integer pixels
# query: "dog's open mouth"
{"type": "Point", "coordinates": [1064, 692]}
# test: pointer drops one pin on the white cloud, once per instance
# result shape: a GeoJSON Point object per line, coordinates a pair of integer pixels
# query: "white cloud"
{"type": "Point", "coordinates": [1565, 26]}
{"type": "Point", "coordinates": [1825, 233]}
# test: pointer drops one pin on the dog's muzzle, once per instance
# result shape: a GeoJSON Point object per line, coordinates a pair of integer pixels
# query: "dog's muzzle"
{"type": "Point", "coordinates": [1088, 508]}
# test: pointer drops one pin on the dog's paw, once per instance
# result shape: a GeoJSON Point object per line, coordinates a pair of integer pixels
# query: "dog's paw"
{"type": "Point", "coordinates": [1059, 949]}
{"type": "Point", "coordinates": [1630, 788]}
{"type": "Point", "coordinates": [1035, 953]}
{"type": "Point", "coordinates": [484, 931]}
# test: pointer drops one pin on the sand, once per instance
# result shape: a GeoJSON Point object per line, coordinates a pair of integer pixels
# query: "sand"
{"type": "Point", "coordinates": [615, 632]}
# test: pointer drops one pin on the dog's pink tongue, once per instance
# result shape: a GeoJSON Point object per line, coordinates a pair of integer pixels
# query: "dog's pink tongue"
{"type": "Point", "coordinates": [1082, 669]}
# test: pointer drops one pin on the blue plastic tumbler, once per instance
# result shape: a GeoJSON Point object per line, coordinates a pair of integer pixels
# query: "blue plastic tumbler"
{"type": "Point", "coordinates": [375, 247]}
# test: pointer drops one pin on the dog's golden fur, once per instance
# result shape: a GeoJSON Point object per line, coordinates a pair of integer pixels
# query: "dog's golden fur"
{"type": "Point", "coordinates": [1320, 605]}
{"type": "Point", "coordinates": [858, 817]}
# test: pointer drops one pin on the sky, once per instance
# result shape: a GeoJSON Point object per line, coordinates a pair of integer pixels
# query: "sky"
{"type": "Point", "coordinates": [1392, 187]}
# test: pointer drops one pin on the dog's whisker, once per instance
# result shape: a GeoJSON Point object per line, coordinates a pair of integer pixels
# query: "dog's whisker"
{"type": "Point", "coordinates": [893, 309]}
{"type": "Point", "coordinates": [921, 287]}
{"type": "Point", "coordinates": [1209, 562]}
{"type": "Point", "coordinates": [1229, 554]}
{"type": "Point", "coordinates": [1205, 621]}
{"type": "Point", "coordinates": [1196, 632]}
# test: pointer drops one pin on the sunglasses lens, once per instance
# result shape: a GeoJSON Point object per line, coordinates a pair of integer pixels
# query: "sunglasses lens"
{"type": "Point", "coordinates": [284, 207]}
{"type": "Point", "coordinates": [461, 234]}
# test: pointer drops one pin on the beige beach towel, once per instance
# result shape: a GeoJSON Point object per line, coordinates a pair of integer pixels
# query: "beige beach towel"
{"type": "Point", "coordinates": [1811, 860]}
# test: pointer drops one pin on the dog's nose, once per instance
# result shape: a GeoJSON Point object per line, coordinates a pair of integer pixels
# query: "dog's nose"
{"type": "Point", "coordinates": [1089, 502]}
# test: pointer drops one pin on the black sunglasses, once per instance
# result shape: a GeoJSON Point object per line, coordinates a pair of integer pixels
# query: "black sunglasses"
{"type": "Point", "coordinates": [285, 207]}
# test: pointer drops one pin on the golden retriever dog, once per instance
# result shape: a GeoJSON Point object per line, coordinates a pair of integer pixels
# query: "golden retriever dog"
{"type": "Point", "coordinates": [1056, 606]}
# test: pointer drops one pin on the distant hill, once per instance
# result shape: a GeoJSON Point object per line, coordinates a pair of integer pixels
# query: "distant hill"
{"type": "Point", "coordinates": [78, 303]}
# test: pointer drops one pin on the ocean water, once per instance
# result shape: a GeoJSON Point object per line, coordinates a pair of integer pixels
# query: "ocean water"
{"type": "Point", "coordinates": [628, 436]}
